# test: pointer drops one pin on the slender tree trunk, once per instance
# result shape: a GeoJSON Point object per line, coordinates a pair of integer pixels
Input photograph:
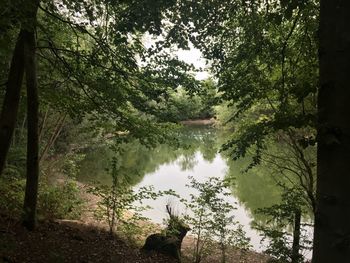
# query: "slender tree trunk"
{"type": "Point", "coordinates": [31, 191]}
{"type": "Point", "coordinates": [10, 105]}
{"type": "Point", "coordinates": [23, 126]}
{"type": "Point", "coordinates": [296, 237]}
{"type": "Point", "coordinates": [13, 138]}
{"type": "Point", "coordinates": [223, 252]}
{"type": "Point", "coordinates": [53, 138]}
{"type": "Point", "coordinates": [332, 219]}
{"type": "Point", "coordinates": [43, 123]}
{"type": "Point", "coordinates": [197, 252]}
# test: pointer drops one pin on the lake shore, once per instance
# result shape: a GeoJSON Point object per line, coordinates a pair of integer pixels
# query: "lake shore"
{"type": "Point", "coordinates": [199, 122]}
{"type": "Point", "coordinates": [149, 227]}
{"type": "Point", "coordinates": [88, 240]}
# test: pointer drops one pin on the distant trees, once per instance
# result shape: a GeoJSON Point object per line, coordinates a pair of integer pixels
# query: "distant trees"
{"type": "Point", "coordinates": [183, 104]}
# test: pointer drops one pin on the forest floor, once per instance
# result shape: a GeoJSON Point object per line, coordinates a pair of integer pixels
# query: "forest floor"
{"type": "Point", "coordinates": [89, 241]}
{"type": "Point", "coordinates": [60, 241]}
{"type": "Point", "coordinates": [74, 241]}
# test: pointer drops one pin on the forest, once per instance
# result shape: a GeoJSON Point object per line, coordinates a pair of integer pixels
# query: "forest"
{"type": "Point", "coordinates": [174, 131]}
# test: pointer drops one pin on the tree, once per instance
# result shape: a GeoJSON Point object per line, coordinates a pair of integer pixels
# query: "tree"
{"type": "Point", "coordinates": [99, 70]}
{"type": "Point", "coordinates": [283, 246]}
{"type": "Point", "coordinates": [211, 219]}
{"type": "Point", "coordinates": [23, 61]}
{"type": "Point", "coordinates": [332, 228]}
{"type": "Point", "coordinates": [255, 63]}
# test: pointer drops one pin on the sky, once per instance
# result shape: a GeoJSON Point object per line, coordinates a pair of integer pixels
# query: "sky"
{"type": "Point", "coordinates": [191, 56]}
{"type": "Point", "coordinates": [194, 56]}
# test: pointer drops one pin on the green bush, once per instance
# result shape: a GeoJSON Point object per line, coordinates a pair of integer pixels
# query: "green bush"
{"type": "Point", "coordinates": [211, 219]}
{"type": "Point", "coordinates": [59, 201]}
{"type": "Point", "coordinates": [12, 196]}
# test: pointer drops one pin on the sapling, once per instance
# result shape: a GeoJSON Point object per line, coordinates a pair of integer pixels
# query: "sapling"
{"type": "Point", "coordinates": [285, 245]}
{"type": "Point", "coordinates": [119, 198]}
{"type": "Point", "coordinates": [211, 218]}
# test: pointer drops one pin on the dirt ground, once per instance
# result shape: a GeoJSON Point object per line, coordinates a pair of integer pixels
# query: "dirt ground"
{"type": "Point", "coordinates": [67, 242]}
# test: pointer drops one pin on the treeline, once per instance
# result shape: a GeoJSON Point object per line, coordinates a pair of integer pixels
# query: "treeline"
{"type": "Point", "coordinates": [182, 104]}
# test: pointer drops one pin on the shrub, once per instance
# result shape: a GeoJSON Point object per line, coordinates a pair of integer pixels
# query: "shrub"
{"type": "Point", "coordinates": [12, 196]}
{"type": "Point", "coordinates": [211, 219]}
{"type": "Point", "coordinates": [119, 198]}
{"type": "Point", "coordinates": [59, 201]}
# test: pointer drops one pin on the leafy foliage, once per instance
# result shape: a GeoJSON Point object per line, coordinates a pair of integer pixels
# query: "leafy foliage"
{"type": "Point", "coordinates": [62, 201]}
{"type": "Point", "coordinates": [264, 55]}
{"type": "Point", "coordinates": [281, 217]}
{"type": "Point", "coordinates": [55, 201]}
{"type": "Point", "coordinates": [117, 200]}
{"type": "Point", "coordinates": [210, 217]}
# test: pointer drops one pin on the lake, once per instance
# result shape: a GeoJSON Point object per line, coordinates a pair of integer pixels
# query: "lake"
{"type": "Point", "coordinates": [168, 167]}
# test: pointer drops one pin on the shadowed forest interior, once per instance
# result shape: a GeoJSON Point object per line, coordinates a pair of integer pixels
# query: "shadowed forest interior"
{"type": "Point", "coordinates": [174, 131]}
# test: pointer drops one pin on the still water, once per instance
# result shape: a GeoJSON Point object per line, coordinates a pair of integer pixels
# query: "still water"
{"type": "Point", "coordinates": [168, 167]}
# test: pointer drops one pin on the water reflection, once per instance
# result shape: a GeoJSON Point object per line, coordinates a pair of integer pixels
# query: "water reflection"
{"type": "Point", "coordinates": [168, 167]}
{"type": "Point", "coordinates": [137, 160]}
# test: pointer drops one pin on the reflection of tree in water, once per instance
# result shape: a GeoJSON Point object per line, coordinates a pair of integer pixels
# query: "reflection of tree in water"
{"type": "Point", "coordinates": [136, 160]}
{"type": "Point", "coordinates": [199, 139]}
{"type": "Point", "coordinates": [187, 162]}
{"type": "Point", "coordinates": [254, 188]}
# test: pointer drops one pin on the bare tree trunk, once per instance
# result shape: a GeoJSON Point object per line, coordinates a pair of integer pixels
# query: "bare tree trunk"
{"type": "Point", "coordinates": [31, 191]}
{"type": "Point", "coordinates": [332, 219]}
{"type": "Point", "coordinates": [43, 123]}
{"type": "Point", "coordinates": [10, 105]}
{"type": "Point", "coordinates": [197, 252]}
{"type": "Point", "coordinates": [223, 252]}
{"type": "Point", "coordinates": [53, 138]}
{"type": "Point", "coordinates": [296, 237]}
{"type": "Point", "coordinates": [23, 127]}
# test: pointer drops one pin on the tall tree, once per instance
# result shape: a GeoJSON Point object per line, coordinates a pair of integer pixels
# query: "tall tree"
{"type": "Point", "coordinates": [332, 227]}
{"type": "Point", "coordinates": [10, 104]}
{"type": "Point", "coordinates": [98, 70]}
{"type": "Point", "coordinates": [31, 192]}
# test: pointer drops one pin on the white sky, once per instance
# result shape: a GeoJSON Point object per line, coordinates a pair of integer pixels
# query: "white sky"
{"type": "Point", "coordinates": [194, 56]}
{"type": "Point", "coordinates": [191, 56]}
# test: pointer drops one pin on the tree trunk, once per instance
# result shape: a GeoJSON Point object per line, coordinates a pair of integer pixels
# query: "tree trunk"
{"type": "Point", "coordinates": [43, 123]}
{"type": "Point", "coordinates": [31, 192]}
{"type": "Point", "coordinates": [10, 105]}
{"type": "Point", "coordinates": [53, 138]}
{"type": "Point", "coordinates": [296, 237]}
{"type": "Point", "coordinates": [32, 137]}
{"type": "Point", "coordinates": [332, 218]}
{"type": "Point", "coordinates": [223, 252]}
